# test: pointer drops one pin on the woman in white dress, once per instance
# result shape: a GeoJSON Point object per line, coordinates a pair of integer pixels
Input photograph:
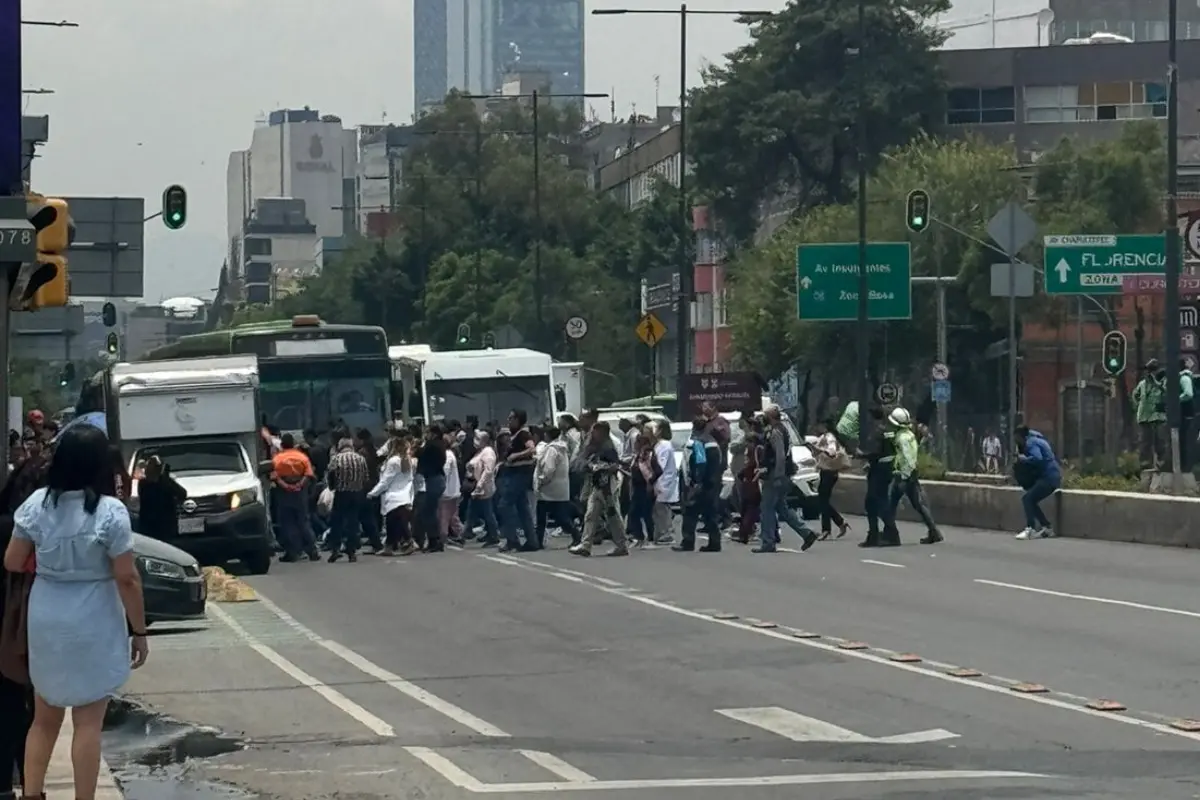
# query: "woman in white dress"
{"type": "Point", "coordinates": [84, 608]}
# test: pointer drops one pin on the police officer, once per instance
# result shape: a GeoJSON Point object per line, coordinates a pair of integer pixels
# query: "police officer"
{"type": "Point", "coordinates": [879, 451]}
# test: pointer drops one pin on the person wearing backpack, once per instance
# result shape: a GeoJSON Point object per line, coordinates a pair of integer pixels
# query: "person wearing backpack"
{"type": "Point", "coordinates": [644, 473]}
{"type": "Point", "coordinates": [775, 472]}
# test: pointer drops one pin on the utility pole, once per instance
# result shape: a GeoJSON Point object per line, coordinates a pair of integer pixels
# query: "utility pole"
{"type": "Point", "coordinates": [864, 286]}
{"type": "Point", "coordinates": [10, 162]}
{"type": "Point", "coordinates": [1174, 256]}
{"type": "Point", "coordinates": [683, 318]}
{"type": "Point", "coordinates": [542, 337]}
{"type": "Point", "coordinates": [479, 227]}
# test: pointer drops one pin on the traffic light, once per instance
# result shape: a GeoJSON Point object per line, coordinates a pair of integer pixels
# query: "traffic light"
{"type": "Point", "coordinates": [43, 282]}
{"type": "Point", "coordinates": [112, 344]}
{"type": "Point", "coordinates": [68, 374]}
{"type": "Point", "coordinates": [464, 334]}
{"type": "Point", "coordinates": [918, 210]}
{"type": "Point", "coordinates": [1115, 346]}
{"type": "Point", "coordinates": [108, 315]}
{"type": "Point", "coordinates": [174, 207]}
{"type": "Point", "coordinates": [489, 340]}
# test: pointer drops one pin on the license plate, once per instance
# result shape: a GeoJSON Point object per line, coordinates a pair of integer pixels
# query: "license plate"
{"type": "Point", "coordinates": [191, 524]}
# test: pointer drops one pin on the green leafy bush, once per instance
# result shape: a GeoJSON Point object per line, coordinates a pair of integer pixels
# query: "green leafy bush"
{"type": "Point", "coordinates": [1100, 483]}
{"type": "Point", "coordinates": [929, 467]}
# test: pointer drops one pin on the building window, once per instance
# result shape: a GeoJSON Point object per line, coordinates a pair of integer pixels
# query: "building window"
{"type": "Point", "coordinates": [257, 246]}
{"type": "Point", "coordinates": [970, 106]}
{"type": "Point", "coordinates": [1095, 101]}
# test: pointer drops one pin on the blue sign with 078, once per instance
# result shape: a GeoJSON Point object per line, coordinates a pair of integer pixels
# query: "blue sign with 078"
{"type": "Point", "coordinates": [941, 391]}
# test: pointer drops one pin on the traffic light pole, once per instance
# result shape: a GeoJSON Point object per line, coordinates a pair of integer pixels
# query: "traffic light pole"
{"type": "Point", "coordinates": [10, 165]}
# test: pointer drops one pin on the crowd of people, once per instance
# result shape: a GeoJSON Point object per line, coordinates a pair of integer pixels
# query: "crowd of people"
{"type": "Point", "coordinates": [512, 486]}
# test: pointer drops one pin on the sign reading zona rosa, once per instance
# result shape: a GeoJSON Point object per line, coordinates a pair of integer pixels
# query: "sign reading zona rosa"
{"type": "Point", "coordinates": [827, 281]}
{"type": "Point", "coordinates": [1099, 264]}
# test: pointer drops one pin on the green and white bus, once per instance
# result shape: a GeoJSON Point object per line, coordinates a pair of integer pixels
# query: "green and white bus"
{"type": "Point", "coordinates": [311, 374]}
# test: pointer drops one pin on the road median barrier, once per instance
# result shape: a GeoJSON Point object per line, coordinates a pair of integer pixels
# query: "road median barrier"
{"type": "Point", "coordinates": [1108, 516]}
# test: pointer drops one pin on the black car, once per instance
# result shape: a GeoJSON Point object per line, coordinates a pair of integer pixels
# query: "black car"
{"type": "Point", "coordinates": [172, 586]}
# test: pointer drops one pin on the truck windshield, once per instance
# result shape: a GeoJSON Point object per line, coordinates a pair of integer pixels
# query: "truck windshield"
{"type": "Point", "coordinates": [297, 394]}
{"type": "Point", "coordinates": [490, 399]}
{"type": "Point", "coordinates": [206, 457]}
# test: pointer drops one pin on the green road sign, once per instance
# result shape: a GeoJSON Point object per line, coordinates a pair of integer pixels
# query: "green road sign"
{"type": "Point", "coordinates": [827, 281]}
{"type": "Point", "coordinates": [1097, 264]}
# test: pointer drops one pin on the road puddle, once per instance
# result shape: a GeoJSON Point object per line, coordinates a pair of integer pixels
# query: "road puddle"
{"type": "Point", "coordinates": [152, 755]}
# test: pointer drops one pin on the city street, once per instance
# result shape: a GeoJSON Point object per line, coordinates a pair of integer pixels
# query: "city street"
{"type": "Point", "coordinates": [705, 676]}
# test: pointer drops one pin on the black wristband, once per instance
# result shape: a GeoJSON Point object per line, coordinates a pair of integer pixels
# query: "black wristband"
{"type": "Point", "coordinates": [137, 633]}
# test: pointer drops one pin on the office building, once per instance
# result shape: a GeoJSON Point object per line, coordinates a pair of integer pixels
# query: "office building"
{"type": "Point", "coordinates": [470, 45]}
{"type": "Point", "coordinates": [295, 154]}
{"type": "Point", "coordinates": [978, 24]}
{"type": "Point", "coordinates": [279, 248]}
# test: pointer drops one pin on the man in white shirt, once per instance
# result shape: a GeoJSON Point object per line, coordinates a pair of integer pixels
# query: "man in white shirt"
{"type": "Point", "coordinates": [991, 453]}
{"type": "Point", "coordinates": [667, 487]}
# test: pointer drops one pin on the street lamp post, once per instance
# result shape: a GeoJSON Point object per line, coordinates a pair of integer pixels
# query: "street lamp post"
{"type": "Point", "coordinates": [536, 97]}
{"type": "Point", "coordinates": [682, 365]}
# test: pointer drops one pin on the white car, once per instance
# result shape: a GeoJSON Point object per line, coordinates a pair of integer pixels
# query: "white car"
{"type": "Point", "coordinates": [805, 480]}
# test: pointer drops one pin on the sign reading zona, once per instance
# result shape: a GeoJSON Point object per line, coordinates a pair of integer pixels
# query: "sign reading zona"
{"type": "Point", "coordinates": [827, 281]}
{"type": "Point", "coordinates": [1097, 264]}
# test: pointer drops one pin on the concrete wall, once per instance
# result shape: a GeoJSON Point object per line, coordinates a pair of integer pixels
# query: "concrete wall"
{"type": "Point", "coordinates": [1108, 516]}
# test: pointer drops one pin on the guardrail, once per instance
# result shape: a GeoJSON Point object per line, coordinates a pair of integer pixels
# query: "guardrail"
{"type": "Point", "coordinates": [1109, 516]}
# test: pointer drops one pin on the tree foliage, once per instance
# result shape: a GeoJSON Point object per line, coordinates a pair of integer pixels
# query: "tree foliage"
{"type": "Point", "coordinates": [470, 240]}
{"type": "Point", "coordinates": [1095, 188]}
{"type": "Point", "coordinates": [781, 117]}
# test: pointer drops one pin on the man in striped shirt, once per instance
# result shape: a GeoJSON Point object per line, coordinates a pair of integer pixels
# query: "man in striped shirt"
{"type": "Point", "coordinates": [348, 477]}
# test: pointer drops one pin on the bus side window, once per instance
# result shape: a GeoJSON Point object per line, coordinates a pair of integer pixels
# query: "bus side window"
{"type": "Point", "coordinates": [560, 397]}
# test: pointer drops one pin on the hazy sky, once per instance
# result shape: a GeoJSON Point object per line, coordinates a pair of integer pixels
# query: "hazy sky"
{"type": "Point", "coordinates": [149, 93]}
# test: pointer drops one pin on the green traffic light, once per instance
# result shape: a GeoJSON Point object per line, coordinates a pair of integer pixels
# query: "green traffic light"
{"type": "Point", "coordinates": [918, 220]}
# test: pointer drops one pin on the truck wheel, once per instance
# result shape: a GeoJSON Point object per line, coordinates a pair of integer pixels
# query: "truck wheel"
{"type": "Point", "coordinates": [258, 563]}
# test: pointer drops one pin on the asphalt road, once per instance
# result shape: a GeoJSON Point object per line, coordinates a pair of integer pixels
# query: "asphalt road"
{"type": "Point", "coordinates": [698, 675]}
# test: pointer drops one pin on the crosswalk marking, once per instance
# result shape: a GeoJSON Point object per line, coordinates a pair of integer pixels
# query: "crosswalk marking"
{"type": "Point", "coordinates": [799, 728]}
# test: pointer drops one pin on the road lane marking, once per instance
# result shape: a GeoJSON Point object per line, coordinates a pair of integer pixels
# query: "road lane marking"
{"type": "Point", "coordinates": [766, 780]}
{"type": "Point", "coordinates": [414, 692]}
{"type": "Point", "coordinates": [448, 769]}
{"type": "Point", "coordinates": [1179, 612]}
{"type": "Point", "coordinates": [883, 563]}
{"type": "Point", "coordinates": [915, 669]}
{"type": "Point", "coordinates": [556, 765]}
{"type": "Point", "coordinates": [368, 667]}
{"type": "Point", "coordinates": [333, 696]}
{"type": "Point", "coordinates": [444, 707]}
{"type": "Point", "coordinates": [799, 728]}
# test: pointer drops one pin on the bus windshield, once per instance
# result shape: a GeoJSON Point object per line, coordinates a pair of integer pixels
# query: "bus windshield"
{"type": "Point", "coordinates": [490, 399]}
{"type": "Point", "coordinates": [296, 394]}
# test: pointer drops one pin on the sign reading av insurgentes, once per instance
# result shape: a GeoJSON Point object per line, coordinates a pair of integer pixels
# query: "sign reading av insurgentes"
{"type": "Point", "coordinates": [316, 157]}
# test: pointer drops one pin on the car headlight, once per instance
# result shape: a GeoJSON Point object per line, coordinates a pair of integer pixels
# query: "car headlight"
{"type": "Point", "coordinates": [161, 569]}
{"type": "Point", "coordinates": [245, 496]}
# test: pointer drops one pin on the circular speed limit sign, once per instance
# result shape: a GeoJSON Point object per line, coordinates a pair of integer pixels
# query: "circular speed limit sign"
{"type": "Point", "coordinates": [576, 328]}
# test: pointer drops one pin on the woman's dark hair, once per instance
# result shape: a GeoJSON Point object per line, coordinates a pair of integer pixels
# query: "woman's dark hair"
{"type": "Point", "coordinates": [81, 462]}
{"type": "Point", "coordinates": [364, 436]}
{"type": "Point", "coordinates": [550, 433]}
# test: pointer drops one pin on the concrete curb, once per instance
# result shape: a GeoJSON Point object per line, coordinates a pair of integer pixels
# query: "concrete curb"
{"type": "Point", "coordinates": [1108, 516]}
{"type": "Point", "coordinates": [60, 780]}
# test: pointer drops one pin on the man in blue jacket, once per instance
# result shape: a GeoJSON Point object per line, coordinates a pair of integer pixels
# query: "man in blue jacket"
{"type": "Point", "coordinates": [1035, 458]}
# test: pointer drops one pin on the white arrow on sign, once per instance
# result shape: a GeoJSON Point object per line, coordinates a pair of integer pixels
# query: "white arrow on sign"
{"type": "Point", "coordinates": [805, 282]}
{"type": "Point", "coordinates": [800, 728]}
{"type": "Point", "coordinates": [1063, 269]}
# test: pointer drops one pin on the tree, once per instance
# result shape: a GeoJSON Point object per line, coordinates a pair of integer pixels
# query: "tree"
{"type": "Point", "coordinates": [969, 180]}
{"type": "Point", "coordinates": [1080, 188]}
{"type": "Point", "coordinates": [469, 237]}
{"type": "Point", "coordinates": [781, 117]}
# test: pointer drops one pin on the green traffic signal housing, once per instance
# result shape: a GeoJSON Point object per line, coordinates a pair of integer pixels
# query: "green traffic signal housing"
{"type": "Point", "coordinates": [464, 333]}
{"type": "Point", "coordinates": [68, 374]}
{"type": "Point", "coordinates": [174, 207]}
{"type": "Point", "coordinates": [918, 211]}
{"type": "Point", "coordinates": [112, 344]}
{"type": "Point", "coordinates": [1115, 349]}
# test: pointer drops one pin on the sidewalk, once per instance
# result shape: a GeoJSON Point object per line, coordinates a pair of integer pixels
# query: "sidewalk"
{"type": "Point", "coordinates": [59, 782]}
